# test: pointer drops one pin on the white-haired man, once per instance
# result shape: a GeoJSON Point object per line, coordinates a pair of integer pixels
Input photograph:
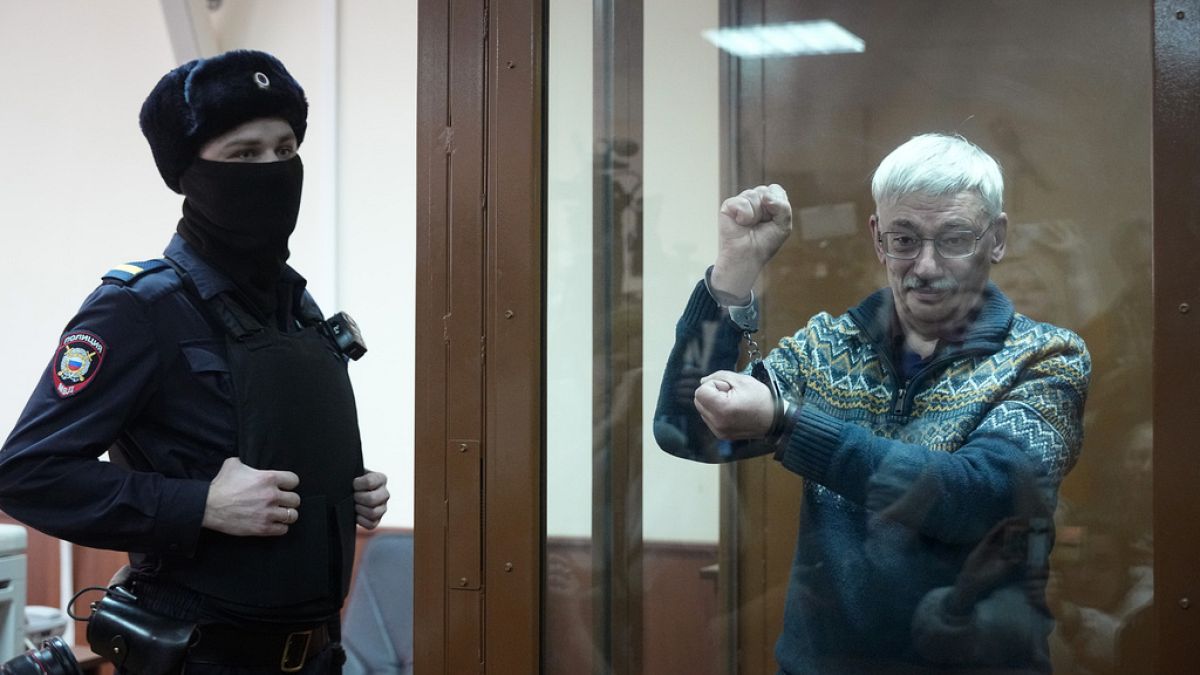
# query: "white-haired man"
{"type": "Point", "coordinates": [930, 422]}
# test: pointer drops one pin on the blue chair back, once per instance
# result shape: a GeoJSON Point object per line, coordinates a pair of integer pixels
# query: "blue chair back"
{"type": "Point", "coordinates": [377, 628]}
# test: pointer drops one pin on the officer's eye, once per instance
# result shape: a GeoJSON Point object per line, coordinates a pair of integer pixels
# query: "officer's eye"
{"type": "Point", "coordinates": [245, 154]}
{"type": "Point", "coordinates": [285, 151]}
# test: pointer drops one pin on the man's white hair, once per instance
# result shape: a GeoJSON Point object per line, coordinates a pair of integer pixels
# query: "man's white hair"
{"type": "Point", "coordinates": [939, 165]}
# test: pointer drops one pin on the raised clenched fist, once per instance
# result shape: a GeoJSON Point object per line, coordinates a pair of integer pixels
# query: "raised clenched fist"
{"type": "Point", "coordinates": [751, 227]}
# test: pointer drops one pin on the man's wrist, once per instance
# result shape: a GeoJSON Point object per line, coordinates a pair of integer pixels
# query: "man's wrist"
{"type": "Point", "coordinates": [731, 283]}
{"type": "Point", "coordinates": [722, 296]}
{"type": "Point", "coordinates": [742, 311]}
{"type": "Point", "coordinates": [787, 415]}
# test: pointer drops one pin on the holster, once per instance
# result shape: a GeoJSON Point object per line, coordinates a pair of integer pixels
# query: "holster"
{"type": "Point", "coordinates": [135, 640]}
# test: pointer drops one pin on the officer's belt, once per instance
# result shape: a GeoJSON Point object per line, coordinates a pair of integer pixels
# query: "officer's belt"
{"type": "Point", "coordinates": [230, 646]}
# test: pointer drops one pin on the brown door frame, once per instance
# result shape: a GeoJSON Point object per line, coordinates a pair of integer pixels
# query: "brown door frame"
{"type": "Point", "coordinates": [479, 315]}
{"type": "Point", "coordinates": [1176, 333]}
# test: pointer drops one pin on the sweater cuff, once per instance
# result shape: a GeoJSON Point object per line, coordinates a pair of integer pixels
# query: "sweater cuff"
{"type": "Point", "coordinates": [814, 440]}
{"type": "Point", "coordinates": [702, 307]}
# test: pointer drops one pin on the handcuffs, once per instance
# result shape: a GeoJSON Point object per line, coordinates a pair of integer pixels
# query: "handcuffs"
{"type": "Point", "coordinates": [745, 317]}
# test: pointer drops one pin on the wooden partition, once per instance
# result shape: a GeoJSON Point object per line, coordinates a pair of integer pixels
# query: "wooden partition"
{"type": "Point", "coordinates": [480, 322]}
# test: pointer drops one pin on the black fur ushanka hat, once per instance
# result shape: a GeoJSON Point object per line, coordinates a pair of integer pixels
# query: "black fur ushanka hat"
{"type": "Point", "coordinates": [205, 98]}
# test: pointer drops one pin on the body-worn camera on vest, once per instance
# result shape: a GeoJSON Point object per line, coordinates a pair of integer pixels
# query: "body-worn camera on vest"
{"type": "Point", "coordinates": [347, 336]}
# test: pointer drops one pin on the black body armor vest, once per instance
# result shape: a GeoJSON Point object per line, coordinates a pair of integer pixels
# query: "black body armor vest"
{"type": "Point", "coordinates": [295, 412]}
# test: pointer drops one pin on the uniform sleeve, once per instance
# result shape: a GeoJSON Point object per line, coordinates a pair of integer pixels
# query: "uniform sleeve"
{"type": "Point", "coordinates": [1012, 463]}
{"type": "Point", "coordinates": [103, 371]}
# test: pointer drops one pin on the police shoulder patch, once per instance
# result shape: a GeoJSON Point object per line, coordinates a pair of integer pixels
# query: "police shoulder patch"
{"type": "Point", "coordinates": [77, 361]}
{"type": "Point", "coordinates": [127, 272]}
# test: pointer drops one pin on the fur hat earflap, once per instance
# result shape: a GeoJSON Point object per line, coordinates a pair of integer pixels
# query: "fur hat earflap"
{"type": "Point", "coordinates": [204, 98]}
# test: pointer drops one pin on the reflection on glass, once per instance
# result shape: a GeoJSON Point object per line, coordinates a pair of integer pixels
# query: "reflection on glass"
{"type": "Point", "coordinates": [788, 39]}
{"type": "Point", "coordinates": [937, 523]}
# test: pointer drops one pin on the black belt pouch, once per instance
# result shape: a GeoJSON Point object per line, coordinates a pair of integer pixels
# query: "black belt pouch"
{"type": "Point", "coordinates": [135, 640]}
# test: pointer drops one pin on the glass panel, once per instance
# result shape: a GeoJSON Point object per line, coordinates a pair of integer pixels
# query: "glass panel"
{"type": "Point", "coordinates": [913, 520]}
{"type": "Point", "coordinates": [568, 551]}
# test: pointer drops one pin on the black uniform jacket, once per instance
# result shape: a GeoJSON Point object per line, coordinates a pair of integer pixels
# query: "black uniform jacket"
{"type": "Point", "coordinates": [140, 366]}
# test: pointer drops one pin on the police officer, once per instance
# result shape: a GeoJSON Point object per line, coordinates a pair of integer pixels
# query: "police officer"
{"type": "Point", "coordinates": [218, 390]}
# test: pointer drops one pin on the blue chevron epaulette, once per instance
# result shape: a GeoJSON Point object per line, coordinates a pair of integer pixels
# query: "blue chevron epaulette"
{"type": "Point", "coordinates": [124, 274]}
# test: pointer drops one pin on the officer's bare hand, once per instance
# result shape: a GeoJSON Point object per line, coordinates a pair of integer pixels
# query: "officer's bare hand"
{"type": "Point", "coordinates": [370, 498]}
{"type": "Point", "coordinates": [247, 502]}
{"type": "Point", "coordinates": [735, 406]}
{"type": "Point", "coordinates": [751, 227]}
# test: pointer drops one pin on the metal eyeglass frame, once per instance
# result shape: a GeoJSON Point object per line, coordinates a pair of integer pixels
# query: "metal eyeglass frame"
{"type": "Point", "coordinates": [936, 244]}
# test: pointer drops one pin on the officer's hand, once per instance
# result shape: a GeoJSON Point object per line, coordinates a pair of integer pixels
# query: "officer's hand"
{"type": "Point", "coordinates": [991, 564]}
{"type": "Point", "coordinates": [244, 501]}
{"type": "Point", "coordinates": [686, 384]}
{"type": "Point", "coordinates": [735, 406]}
{"type": "Point", "coordinates": [750, 229]}
{"type": "Point", "coordinates": [370, 498]}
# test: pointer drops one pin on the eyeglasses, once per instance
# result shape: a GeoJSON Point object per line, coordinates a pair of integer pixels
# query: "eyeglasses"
{"type": "Point", "coordinates": [949, 245]}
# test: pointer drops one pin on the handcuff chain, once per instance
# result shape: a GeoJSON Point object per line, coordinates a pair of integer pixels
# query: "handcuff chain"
{"type": "Point", "coordinates": [752, 348]}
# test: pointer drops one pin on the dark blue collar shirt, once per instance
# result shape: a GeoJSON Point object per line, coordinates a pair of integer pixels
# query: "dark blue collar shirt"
{"type": "Point", "coordinates": [140, 372]}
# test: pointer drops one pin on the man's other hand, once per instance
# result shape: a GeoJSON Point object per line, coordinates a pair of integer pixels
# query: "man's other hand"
{"type": "Point", "coordinates": [735, 406]}
{"type": "Point", "coordinates": [370, 498]}
{"type": "Point", "coordinates": [751, 227]}
{"type": "Point", "coordinates": [247, 502]}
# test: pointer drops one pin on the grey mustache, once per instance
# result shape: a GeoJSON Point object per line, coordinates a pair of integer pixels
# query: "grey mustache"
{"type": "Point", "coordinates": [942, 284]}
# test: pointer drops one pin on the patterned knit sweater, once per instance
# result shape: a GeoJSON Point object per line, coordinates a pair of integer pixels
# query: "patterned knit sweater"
{"type": "Point", "coordinates": [902, 478]}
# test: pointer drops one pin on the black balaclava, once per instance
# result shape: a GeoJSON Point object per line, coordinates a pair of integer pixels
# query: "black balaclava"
{"type": "Point", "coordinates": [238, 216]}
